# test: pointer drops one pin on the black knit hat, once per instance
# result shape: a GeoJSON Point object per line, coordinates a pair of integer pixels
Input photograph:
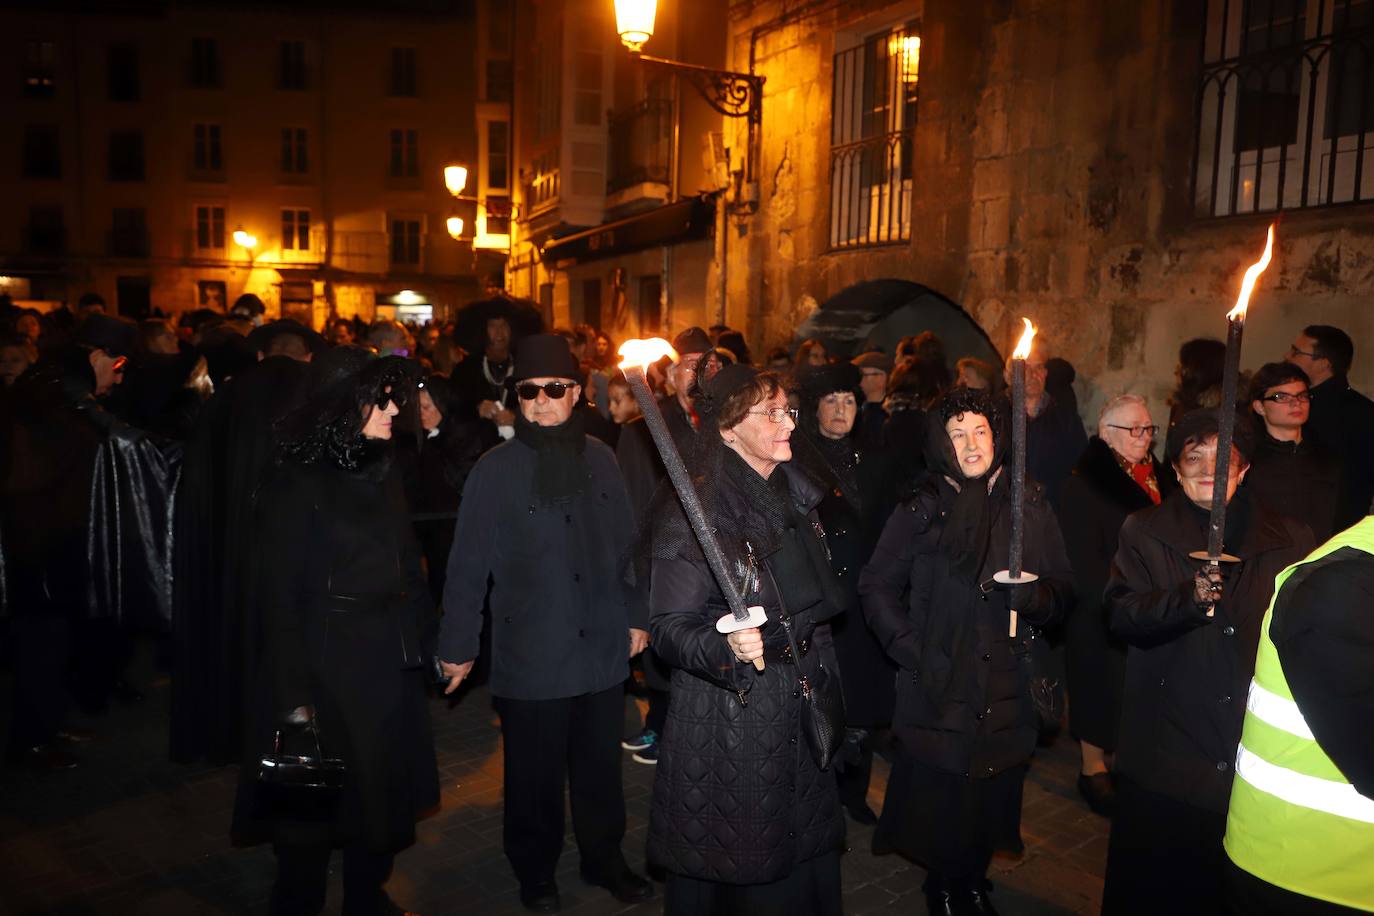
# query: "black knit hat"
{"type": "Point", "coordinates": [545, 356]}
{"type": "Point", "coordinates": [261, 337]}
{"type": "Point", "coordinates": [115, 336]}
{"type": "Point", "coordinates": [692, 340]}
{"type": "Point", "coordinates": [1199, 425]}
{"type": "Point", "coordinates": [818, 381]}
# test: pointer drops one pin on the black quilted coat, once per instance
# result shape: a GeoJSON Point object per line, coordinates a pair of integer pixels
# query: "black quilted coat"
{"type": "Point", "coordinates": [738, 798]}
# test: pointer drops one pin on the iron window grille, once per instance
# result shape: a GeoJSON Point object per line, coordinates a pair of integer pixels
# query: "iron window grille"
{"type": "Point", "coordinates": [1286, 106]}
{"type": "Point", "coordinates": [873, 125]}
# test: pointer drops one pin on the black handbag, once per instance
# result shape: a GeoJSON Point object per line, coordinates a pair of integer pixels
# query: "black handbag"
{"type": "Point", "coordinates": [296, 771]}
{"type": "Point", "coordinates": [822, 707]}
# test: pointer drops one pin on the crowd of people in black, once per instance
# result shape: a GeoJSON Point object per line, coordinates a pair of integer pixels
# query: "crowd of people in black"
{"type": "Point", "coordinates": [322, 530]}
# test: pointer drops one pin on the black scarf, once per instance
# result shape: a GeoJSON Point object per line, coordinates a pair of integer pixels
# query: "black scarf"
{"type": "Point", "coordinates": [560, 464]}
{"type": "Point", "coordinates": [767, 498]}
{"type": "Point", "coordinates": [967, 531]}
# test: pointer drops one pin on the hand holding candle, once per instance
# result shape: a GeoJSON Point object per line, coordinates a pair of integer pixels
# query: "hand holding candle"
{"type": "Point", "coordinates": [1014, 575]}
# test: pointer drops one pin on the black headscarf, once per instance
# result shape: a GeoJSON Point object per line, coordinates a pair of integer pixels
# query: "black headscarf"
{"type": "Point", "coordinates": [967, 528]}
{"type": "Point", "coordinates": [560, 464]}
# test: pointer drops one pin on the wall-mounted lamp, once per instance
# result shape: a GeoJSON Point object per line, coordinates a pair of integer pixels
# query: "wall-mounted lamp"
{"type": "Point", "coordinates": [634, 20]}
{"type": "Point", "coordinates": [245, 240]}
{"type": "Point", "coordinates": [455, 226]}
{"type": "Point", "coordinates": [455, 179]}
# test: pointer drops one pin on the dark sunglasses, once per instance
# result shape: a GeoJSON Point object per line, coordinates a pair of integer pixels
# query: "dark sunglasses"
{"type": "Point", "coordinates": [528, 391]}
{"type": "Point", "coordinates": [390, 396]}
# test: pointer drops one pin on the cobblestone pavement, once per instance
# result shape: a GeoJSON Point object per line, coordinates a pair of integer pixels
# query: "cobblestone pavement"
{"type": "Point", "coordinates": [130, 833]}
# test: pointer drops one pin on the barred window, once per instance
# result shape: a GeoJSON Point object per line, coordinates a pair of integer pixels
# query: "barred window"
{"type": "Point", "coordinates": [1286, 106]}
{"type": "Point", "coordinates": [873, 126]}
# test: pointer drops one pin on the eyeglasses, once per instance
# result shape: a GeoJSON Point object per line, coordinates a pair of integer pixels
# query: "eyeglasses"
{"type": "Point", "coordinates": [528, 391]}
{"type": "Point", "coordinates": [776, 414]}
{"type": "Point", "coordinates": [1283, 397]}
{"type": "Point", "coordinates": [1294, 351]}
{"type": "Point", "coordinates": [1137, 432]}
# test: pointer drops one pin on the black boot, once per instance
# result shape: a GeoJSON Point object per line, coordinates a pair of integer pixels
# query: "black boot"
{"type": "Point", "coordinates": [975, 895]}
{"type": "Point", "coordinates": [941, 897]}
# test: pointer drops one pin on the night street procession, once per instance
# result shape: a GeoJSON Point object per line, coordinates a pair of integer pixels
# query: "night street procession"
{"type": "Point", "coordinates": [614, 457]}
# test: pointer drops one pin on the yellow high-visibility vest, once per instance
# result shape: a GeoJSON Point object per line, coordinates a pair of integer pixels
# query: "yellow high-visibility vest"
{"type": "Point", "coordinates": [1295, 821]}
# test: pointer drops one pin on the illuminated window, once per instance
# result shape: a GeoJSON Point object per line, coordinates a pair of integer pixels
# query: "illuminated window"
{"type": "Point", "coordinates": [208, 153]}
{"type": "Point", "coordinates": [295, 151]}
{"type": "Point", "coordinates": [40, 69]}
{"type": "Point", "coordinates": [405, 153]}
{"type": "Point", "coordinates": [1286, 118]}
{"type": "Point", "coordinates": [873, 124]}
{"type": "Point", "coordinates": [210, 227]}
{"type": "Point", "coordinates": [295, 230]}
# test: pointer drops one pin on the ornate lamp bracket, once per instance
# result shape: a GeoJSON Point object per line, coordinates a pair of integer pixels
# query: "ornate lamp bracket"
{"type": "Point", "coordinates": [734, 95]}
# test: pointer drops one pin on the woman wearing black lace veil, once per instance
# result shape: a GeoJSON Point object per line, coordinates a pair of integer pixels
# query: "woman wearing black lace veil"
{"type": "Point", "coordinates": [744, 820]}
{"type": "Point", "coordinates": [964, 723]}
{"type": "Point", "coordinates": [336, 642]}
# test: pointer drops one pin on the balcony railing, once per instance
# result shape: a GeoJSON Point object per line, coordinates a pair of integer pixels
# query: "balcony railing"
{"type": "Point", "coordinates": [641, 145]}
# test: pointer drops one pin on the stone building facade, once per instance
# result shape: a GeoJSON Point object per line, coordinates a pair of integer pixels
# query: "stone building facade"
{"type": "Point", "coordinates": [1061, 167]}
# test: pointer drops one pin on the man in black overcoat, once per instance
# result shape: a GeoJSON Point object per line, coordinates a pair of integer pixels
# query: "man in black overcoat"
{"type": "Point", "coordinates": [545, 519]}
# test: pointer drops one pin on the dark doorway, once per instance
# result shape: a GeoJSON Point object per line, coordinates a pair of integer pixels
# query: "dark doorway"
{"type": "Point", "coordinates": [134, 297]}
{"type": "Point", "coordinates": [591, 302]}
{"type": "Point", "coordinates": [650, 305]}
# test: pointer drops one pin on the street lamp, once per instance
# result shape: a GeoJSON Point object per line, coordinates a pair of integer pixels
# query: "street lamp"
{"type": "Point", "coordinates": [455, 179]}
{"type": "Point", "coordinates": [455, 227]}
{"type": "Point", "coordinates": [245, 240]}
{"type": "Point", "coordinates": [732, 94]}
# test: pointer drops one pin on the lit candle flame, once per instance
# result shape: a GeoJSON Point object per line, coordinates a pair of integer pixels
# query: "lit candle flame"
{"type": "Point", "coordinates": [1252, 273]}
{"type": "Point", "coordinates": [1023, 346]}
{"type": "Point", "coordinates": [642, 353]}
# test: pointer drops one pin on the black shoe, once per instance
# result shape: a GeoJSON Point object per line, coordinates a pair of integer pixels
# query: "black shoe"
{"type": "Point", "coordinates": [1099, 792]}
{"type": "Point", "coordinates": [540, 897]}
{"type": "Point", "coordinates": [861, 814]}
{"type": "Point", "coordinates": [625, 886]}
{"type": "Point", "coordinates": [126, 693]}
{"type": "Point", "coordinates": [942, 900]}
{"type": "Point", "coordinates": [49, 758]}
{"type": "Point", "coordinates": [978, 902]}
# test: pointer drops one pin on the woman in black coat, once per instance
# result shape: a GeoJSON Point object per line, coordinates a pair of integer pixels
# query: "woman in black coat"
{"type": "Point", "coordinates": [1193, 635]}
{"type": "Point", "coordinates": [1116, 475]}
{"type": "Point", "coordinates": [435, 465]}
{"type": "Point", "coordinates": [860, 492]}
{"type": "Point", "coordinates": [744, 820]}
{"type": "Point", "coordinates": [337, 655]}
{"type": "Point", "coordinates": [965, 724]}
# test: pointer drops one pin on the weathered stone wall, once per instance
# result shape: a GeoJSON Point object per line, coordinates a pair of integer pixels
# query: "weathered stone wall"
{"type": "Point", "coordinates": [1053, 161]}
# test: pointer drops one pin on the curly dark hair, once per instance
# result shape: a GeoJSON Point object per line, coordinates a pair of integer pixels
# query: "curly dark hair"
{"type": "Point", "coordinates": [342, 388]}
{"type": "Point", "coordinates": [959, 401]}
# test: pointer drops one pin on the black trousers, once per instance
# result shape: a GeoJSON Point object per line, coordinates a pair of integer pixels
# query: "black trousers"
{"type": "Point", "coordinates": [812, 888]}
{"type": "Point", "coordinates": [550, 744]}
{"type": "Point", "coordinates": [1164, 856]}
{"type": "Point", "coordinates": [303, 871]}
{"type": "Point", "coordinates": [41, 647]}
{"type": "Point", "coordinates": [1250, 896]}
{"type": "Point", "coordinates": [657, 716]}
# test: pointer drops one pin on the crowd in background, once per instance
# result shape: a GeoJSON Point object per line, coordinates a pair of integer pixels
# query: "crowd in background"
{"type": "Point", "coordinates": [133, 454]}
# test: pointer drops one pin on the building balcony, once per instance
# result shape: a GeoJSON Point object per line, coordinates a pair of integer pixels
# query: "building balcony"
{"type": "Point", "coordinates": [362, 252]}
{"type": "Point", "coordinates": [641, 155]}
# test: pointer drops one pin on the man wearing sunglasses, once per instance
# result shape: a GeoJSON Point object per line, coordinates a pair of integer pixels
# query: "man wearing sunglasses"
{"type": "Point", "coordinates": [1291, 471]}
{"type": "Point", "coordinates": [546, 519]}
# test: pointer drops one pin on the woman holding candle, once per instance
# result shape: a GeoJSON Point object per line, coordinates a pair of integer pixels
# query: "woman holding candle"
{"type": "Point", "coordinates": [861, 490]}
{"type": "Point", "coordinates": [744, 820]}
{"type": "Point", "coordinates": [965, 723]}
{"type": "Point", "coordinates": [1193, 636]}
{"type": "Point", "coordinates": [1115, 476]}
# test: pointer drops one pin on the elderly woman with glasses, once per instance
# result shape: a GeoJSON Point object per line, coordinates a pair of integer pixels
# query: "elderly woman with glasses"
{"type": "Point", "coordinates": [1193, 632]}
{"type": "Point", "coordinates": [745, 821]}
{"type": "Point", "coordinates": [1117, 474]}
{"type": "Point", "coordinates": [1291, 471]}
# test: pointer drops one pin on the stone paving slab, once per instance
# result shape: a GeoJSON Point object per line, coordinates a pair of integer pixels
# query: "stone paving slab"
{"type": "Point", "coordinates": [131, 834]}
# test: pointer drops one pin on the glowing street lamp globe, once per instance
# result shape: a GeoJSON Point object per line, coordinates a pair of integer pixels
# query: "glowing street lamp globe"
{"type": "Point", "coordinates": [634, 20]}
{"type": "Point", "coordinates": [245, 239]}
{"type": "Point", "coordinates": [455, 226]}
{"type": "Point", "coordinates": [455, 179]}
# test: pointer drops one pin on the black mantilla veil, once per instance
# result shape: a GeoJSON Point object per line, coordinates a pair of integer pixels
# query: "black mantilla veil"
{"type": "Point", "coordinates": [831, 463]}
{"type": "Point", "coordinates": [326, 425]}
{"type": "Point", "coordinates": [967, 528]}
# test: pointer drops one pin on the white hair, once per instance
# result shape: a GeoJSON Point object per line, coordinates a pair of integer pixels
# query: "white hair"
{"type": "Point", "coordinates": [1115, 404]}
